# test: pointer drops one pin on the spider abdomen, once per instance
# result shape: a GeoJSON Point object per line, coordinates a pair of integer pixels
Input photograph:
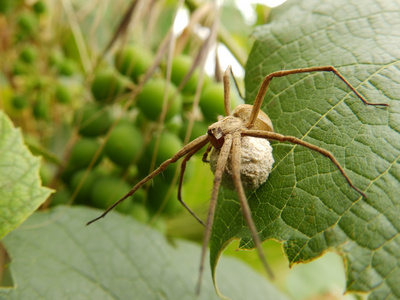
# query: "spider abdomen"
{"type": "Point", "coordinates": [256, 163]}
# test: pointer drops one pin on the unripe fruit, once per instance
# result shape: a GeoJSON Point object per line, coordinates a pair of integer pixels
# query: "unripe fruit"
{"type": "Point", "coordinates": [28, 23]}
{"type": "Point", "coordinates": [39, 7]}
{"type": "Point", "coordinates": [107, 190]}
{"type": "Point", "coordinates": [92, 120]}
{"type": "Point", "coordinates": [41, 108]}
{"type": "Point", "coordinates": [67, 67]}
{"type": "Point", "coordinates": [28, 55]}
{"type": "Point", "coordinates": [19, 102]}
{"type": "Point", "coordinates": [180, 67]}
{"type": "Point", "coordinates": [107, 85]}
{"type": "Point", "coordinates": [157, 195]}
{"type": "Point", "coordinates": [62, 94]}
{"type": "Point", "coordinates": [83, 152]}
{"type": "Point", "coordinates": [150, 100]}
{"type": "Point", "coordinates": [85, 187]}
{"type": "Point", "coordinates": [212, 101]}
{"type": "Point", "coordinates": [199, 129]}
{"type": "Point", "coordinates": [124, 144]}
{"type": "Point", "coordinates": [133, 61]}
{"type": "Point", "coordinates": [168, 146]}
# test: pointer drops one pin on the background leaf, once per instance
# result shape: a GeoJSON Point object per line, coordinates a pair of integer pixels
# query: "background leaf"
{"type": "Point", "coordinates": [54, 256]}
{"type": "Point", "coordinates": [21, 192]}
{"type": "Point", "coordinates": [306, 203]}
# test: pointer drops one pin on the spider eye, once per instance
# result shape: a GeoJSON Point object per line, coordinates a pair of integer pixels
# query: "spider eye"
{"type": "Point", "coordinates": [216, 137]}
{"type": "Point", "coordinates": [216, 132]}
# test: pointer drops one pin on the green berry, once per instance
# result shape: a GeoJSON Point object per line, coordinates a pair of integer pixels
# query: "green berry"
{"type": "Point", "coordinates": [28, 23]}
{"type": "Point", "coordinates": [83, 152]}
{"type": "Point", "coordinates": [124, 144]}
{"type": "Point", "coordinates": [41, 109]}
{"type": "Point", "coordinates": [150, 100]}
{"type": "Point", "coordinates": [212, 101]}
{"type": "Point", "coordinates": [55, 58]}
{"type": "Point", "coordinates": [39, 7]}
{"type": "Point", "coordinates": [93, 120]}
{"type": "Point", "coordinates": [62, 94]}
{"type": "Point", "coordinates": [133, 61]}
{"type": "Point", "coordinates": [107, 190]}
{"type": "Point", "coordinates": [28, 55]}
{"type": "Point", "coordinates": [6, 6]}
{"type": "Point", "coordinates": [85, 183]}
{"type": "Point", "coordinates": [198, 129]}
{"type": "Point", "coordinates": [19, 102]}
{"type": "Point", "coordinates": [160, 197]}
{"type": "Point", "coordinates": [180, 67]}
{"type": "Point", "coordinates": [68, 172]}
{"type": "Point", "coordinates": [107, 85]}
{"type": "Point", "coordinates": [67, 67]}
{"type": "Point", "coordinates": [174, 125]}
{"type": "Point", "coordinates": [134, 208]}
{"type": "Point", "coordinates": [169, 144]}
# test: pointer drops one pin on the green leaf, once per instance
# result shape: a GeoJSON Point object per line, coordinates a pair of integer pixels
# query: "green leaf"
{"type": "Point", "coordinates": [306, 203]}
{"type": "Point", "coordinates": [21, 192]}
{"type": "Point", "coordinates": [54, 256]}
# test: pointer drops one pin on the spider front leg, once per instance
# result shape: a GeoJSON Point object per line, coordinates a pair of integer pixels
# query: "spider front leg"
{"type": "Point", "coordinates": [205, 154]}
{"type": "Point", "coordinates": [221, 163]}
{"type": "Point", "coordinates": [264, 87]}
{"type": "Point", "coordinates": [183, 169]}
{"type": "Point", "coordinates": [202, 140]}
{"type": "Point", "coordinates": [283, 138]}
{"type": "Point", "coordinates": [236, 162]}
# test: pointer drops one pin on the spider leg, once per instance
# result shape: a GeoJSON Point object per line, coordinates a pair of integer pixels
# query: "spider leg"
{"type": "Point", "coordinates": [221, 163]}
{"type": "Point", "coordinates": [283, 138]}
{"type": "Point", "coordinates": [183, 168]}
{"type": "Point", "coordinates": [236, 162]}
{"type": "Point", "coordinates": [264, 86]}
{"type": "Point", "coordinates": [205, 155]}
{"type": "Point", "coordinates": [185, 150]}
{"type": "Point", "coordinates": [227, 91]}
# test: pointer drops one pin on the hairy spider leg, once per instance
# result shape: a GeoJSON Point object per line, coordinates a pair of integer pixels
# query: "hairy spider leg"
{"type": "Point", "coordinates": [264, 87]}
{"type": "Point", "coordinates": [221, 163]}
{"type": "Point", "coordinates": [183, 168]}
{"type": "Point", "coordinates": [202, 140]}
{"type": "Point", "coordinates": [283, 138]}
{"type": "Point", "coordinates": [236, 165]}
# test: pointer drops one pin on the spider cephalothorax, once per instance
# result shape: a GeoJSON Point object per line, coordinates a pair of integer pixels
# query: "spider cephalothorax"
{"type": "Point", "coordinates": [256, 154]}
{"type": "Point", "coordinates": [235, 139]}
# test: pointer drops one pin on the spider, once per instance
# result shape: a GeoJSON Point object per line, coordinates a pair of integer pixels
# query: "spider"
{"type": "Point", "coordinates": [232, 135]}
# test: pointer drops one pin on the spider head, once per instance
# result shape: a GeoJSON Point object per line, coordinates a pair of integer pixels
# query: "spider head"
{"type": "Point", "coordinates": [220, 129]}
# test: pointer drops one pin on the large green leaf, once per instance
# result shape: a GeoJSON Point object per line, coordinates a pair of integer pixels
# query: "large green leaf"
{"type": "Point", "coordinates": [21, 192]}
{"type": "Point", "coordinates": [306, 203]}
{"type": "Point", "coordinates": [55, 256]}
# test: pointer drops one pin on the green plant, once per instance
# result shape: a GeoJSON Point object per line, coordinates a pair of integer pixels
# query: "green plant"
{"type": "Point", "coordinates": [52, 89]}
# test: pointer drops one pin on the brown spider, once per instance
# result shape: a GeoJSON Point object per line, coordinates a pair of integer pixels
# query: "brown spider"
{"type": "Point", "coordinates": [226, 137]}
